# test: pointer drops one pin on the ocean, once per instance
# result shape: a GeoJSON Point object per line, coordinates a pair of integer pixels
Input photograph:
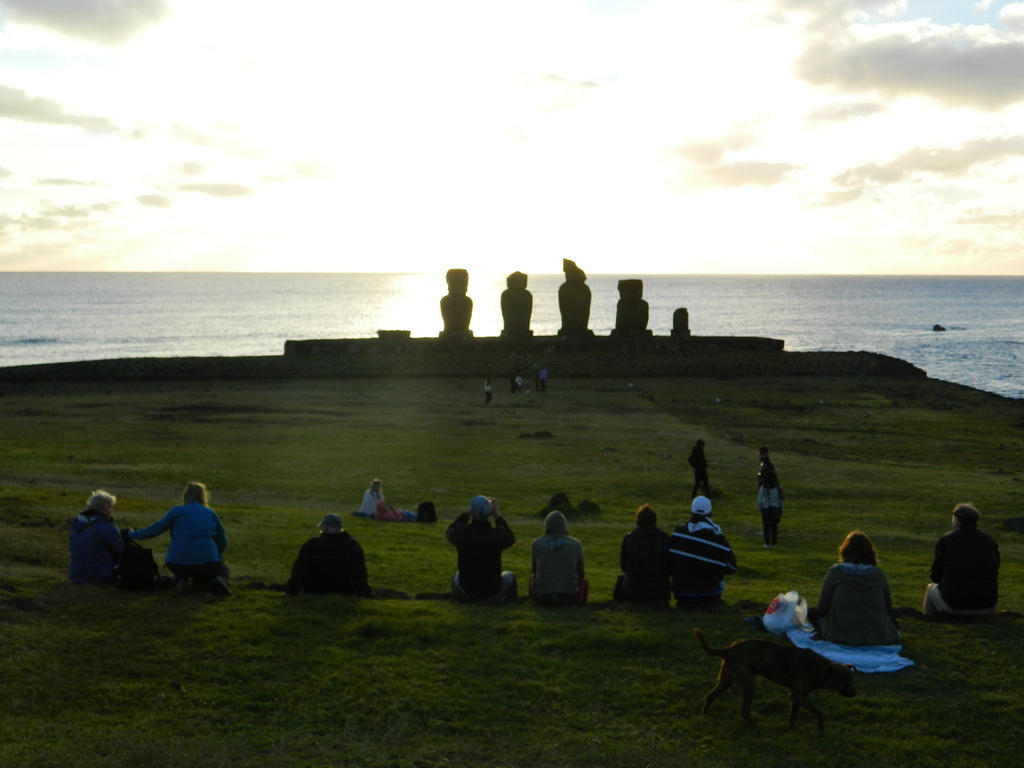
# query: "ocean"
{"type": "Point", "coordinates": [59, 317]}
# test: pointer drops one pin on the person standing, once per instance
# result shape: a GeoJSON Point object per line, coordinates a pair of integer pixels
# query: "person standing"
{"type": "Point", "coordinates": [699, 462]}
{"type": "Point", "coordinates": [542, 377]}
{"type": "Point", "coordinates": [700, 557]}
{"type": "Point", "coordinates": [198, 541]}
{"type": "Point", "coordinates": [488, 392]}
{"type": "Point", "coordinates": [558, 576]}
{"type": "Point", "coordinates": [644, 560]}
{"type": "Point", "coordinates": [965, 569]}
{"type": "Point", "coordinates": [765, 466]}
{"type": "Point", "coordinates": [332, 562]}
{"type": "Point", "coordinates": [769, 500]}
{"type": "Point", "coordinates": [96, 545]}
{"type": "Point", "coordinates": [479, 545]}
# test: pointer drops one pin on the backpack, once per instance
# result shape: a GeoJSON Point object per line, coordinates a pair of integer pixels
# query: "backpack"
{"type": "Point", "coordinates": [136, 569]}
{"type": "Point", "coordinates": [426, 512]}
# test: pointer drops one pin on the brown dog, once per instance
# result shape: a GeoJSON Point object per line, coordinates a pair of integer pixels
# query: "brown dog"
{"type": "Point", "coordinates": [799, 669]}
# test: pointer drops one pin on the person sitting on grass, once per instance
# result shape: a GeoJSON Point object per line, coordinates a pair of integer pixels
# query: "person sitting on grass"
{"type": "Point", "coordinates": [371, 497]}
{"type": "Point", "coordinates": [855, 605]}
{"type": "Point", "coordinates": [479, 545]}
{"type": "Point", "coordinates": [197, 542]}
{"type": "Point", "coordinates": [558, 576]}
{"type": "Point", "coordinates": [965, 570]}
{"type": "Point", "coordinates": [96, 544]}
{"type": "Point", "coordinates": [331, 563]}
{"type": "Point", "coordinates": [643, 558]}
{"type": "Point", "coordinates": [700, 557]}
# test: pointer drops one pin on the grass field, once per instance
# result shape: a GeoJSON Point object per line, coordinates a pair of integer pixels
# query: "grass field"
{"type": "Point", "coordinates": [98, 677]}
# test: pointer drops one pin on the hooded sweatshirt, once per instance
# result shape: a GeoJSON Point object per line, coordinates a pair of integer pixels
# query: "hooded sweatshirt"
{"type": "Point", "coordinates": [856, 606]}
{"type": "Point", "coordinates": [95, 547]}
{"type": "Point", "coordinates": [557, 559]}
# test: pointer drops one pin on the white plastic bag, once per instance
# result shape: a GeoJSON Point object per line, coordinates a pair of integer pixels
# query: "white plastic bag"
{"type": "Point", "coordinates": [785, 612]}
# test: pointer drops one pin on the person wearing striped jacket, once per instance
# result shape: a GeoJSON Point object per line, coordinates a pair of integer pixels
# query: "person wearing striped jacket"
{"type": "Point", "coordinates": [700, 557]}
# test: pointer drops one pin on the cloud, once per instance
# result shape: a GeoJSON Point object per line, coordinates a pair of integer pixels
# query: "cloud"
{"type": "Point", "coordinates": [107, 22]}
{"type": "Point", "coordinates": [710, 168]}
{"type": "Point", "coordinates": [201, 139]}
{"type": "Point", "coordinates": [73, 211]}
{"type": "Point", "coordinates": [840, 112]}
{"type": "Point", "coordinates": [58, 182]}
{"type": "Point", "coordinates": [953, 69]}
{"type": "Point", "coordinates": [5, 172]}
{"type": "Point", "coordinates": [18, 105]}
{"type": "Point", "coordinates": [155, 201]}
{"type": "Point", "coordinates": [1009, 221]}
{"type": "Point", "coordinates": [1012, 16]}
{"type": "Point", "coordinates": [946, 162]}
{"type": "Point", "coordinates": [192, 169]}
{"type": "Point", "coordinates": [217, 189]}
{"type": "Point", "coordinates": [743, 174]}
{"type": "Point", "coordinates": [835, 198]}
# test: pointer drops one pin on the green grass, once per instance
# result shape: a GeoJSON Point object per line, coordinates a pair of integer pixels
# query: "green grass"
{"type": "Point", "coordinates": [106, 678]}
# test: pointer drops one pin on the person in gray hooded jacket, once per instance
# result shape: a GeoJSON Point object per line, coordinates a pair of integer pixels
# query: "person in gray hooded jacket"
{"type": "Point", "coordinates": [557, 573]}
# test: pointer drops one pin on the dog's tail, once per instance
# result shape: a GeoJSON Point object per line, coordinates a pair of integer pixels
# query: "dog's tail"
{"type": "Point", "coordinates": [704, 644]}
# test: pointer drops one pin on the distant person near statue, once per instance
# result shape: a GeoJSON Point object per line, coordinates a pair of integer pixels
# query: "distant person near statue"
{"type": "Point", "coordinates": [699, 462]}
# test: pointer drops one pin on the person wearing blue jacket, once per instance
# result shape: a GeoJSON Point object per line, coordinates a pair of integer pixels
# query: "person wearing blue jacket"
{"type": "Point", "coordinates": [96, 544]}
{"type": "Point", "coordinates": [197, 542]}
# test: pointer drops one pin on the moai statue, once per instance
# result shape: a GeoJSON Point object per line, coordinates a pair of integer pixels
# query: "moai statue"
{"type": "Point", "coordinates": [516, 306]}
{"type": "Point", "coordinates": [681, 322]}
{"type": "Point", "coordinates": [574, 301]}
{"type": "Point", "coordinates": [456, 307]}
{"type": "Point", "coordinates": [631, 313]}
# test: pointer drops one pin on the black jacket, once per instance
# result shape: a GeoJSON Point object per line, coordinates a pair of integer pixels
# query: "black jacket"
{"type": "Point", "coordinates": [330, 563]}
{"type": "Point", "coordinates": [479, 547]}
{"type": "Point", "coordinates": [644, 561]}
{"type": "Point", "coordinates": [966, 568]}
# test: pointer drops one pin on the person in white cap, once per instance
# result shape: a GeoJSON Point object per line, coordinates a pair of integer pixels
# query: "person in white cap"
{"type": "Point", "coordinates": [700, 557]}
{"type": "Point", "coordinates": [332, 562]}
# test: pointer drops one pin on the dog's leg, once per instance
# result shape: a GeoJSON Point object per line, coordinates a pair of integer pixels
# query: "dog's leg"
{"type": "Point", "coordinates": [795, 702]}
{"type": "Point", "coordinates": [746, 683]}
{"type": "Point", "coordinates": [724, 683]}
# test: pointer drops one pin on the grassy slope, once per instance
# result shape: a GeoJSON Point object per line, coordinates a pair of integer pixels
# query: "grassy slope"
{"type": "Point", "coordinates": [260, 679]}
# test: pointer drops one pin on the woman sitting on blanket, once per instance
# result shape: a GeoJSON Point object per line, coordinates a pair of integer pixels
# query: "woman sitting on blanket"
{"type": "Point", "coordinates": [855, 606]}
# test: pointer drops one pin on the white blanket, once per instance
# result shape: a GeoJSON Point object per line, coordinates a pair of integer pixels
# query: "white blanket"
{"type": "Point", "coordinates": [866, 658]}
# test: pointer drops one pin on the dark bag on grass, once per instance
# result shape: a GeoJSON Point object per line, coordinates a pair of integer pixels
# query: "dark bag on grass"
{"type": "Point", "coordinates": [137, 569]}
{"type": "Point", "coordinates": [426, 513]}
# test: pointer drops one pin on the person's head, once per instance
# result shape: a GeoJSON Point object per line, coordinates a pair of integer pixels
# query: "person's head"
{"type": "Point", "coordinates": [375, 485]}
{"type": "Point", "coordinates": [763, 452]}
{"type": "Point", "coordinates": [965, 514]}
{"type": "Point", "coordinates": [555, 522]}
{"type": "Point", "coordinates": [699, 444]}
{"type": "Point", "coordinates": [480, 507]}
{"type": "Point", "coordinates": [331, 524]}
{"type": "Point", "coordinates": [646, 515]}
{"type": "Point", "coordinates": [701, 506]}
{"type": "Point", "coordinates": [101, 501]}
{"type": "Point", "coordinates": [857, 549]}
{"type": "Point", "coordinates": [195, 492]}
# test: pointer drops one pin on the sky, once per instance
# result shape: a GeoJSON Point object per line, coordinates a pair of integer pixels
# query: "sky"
{"type": "Point", "coordinates": [631, 136]}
